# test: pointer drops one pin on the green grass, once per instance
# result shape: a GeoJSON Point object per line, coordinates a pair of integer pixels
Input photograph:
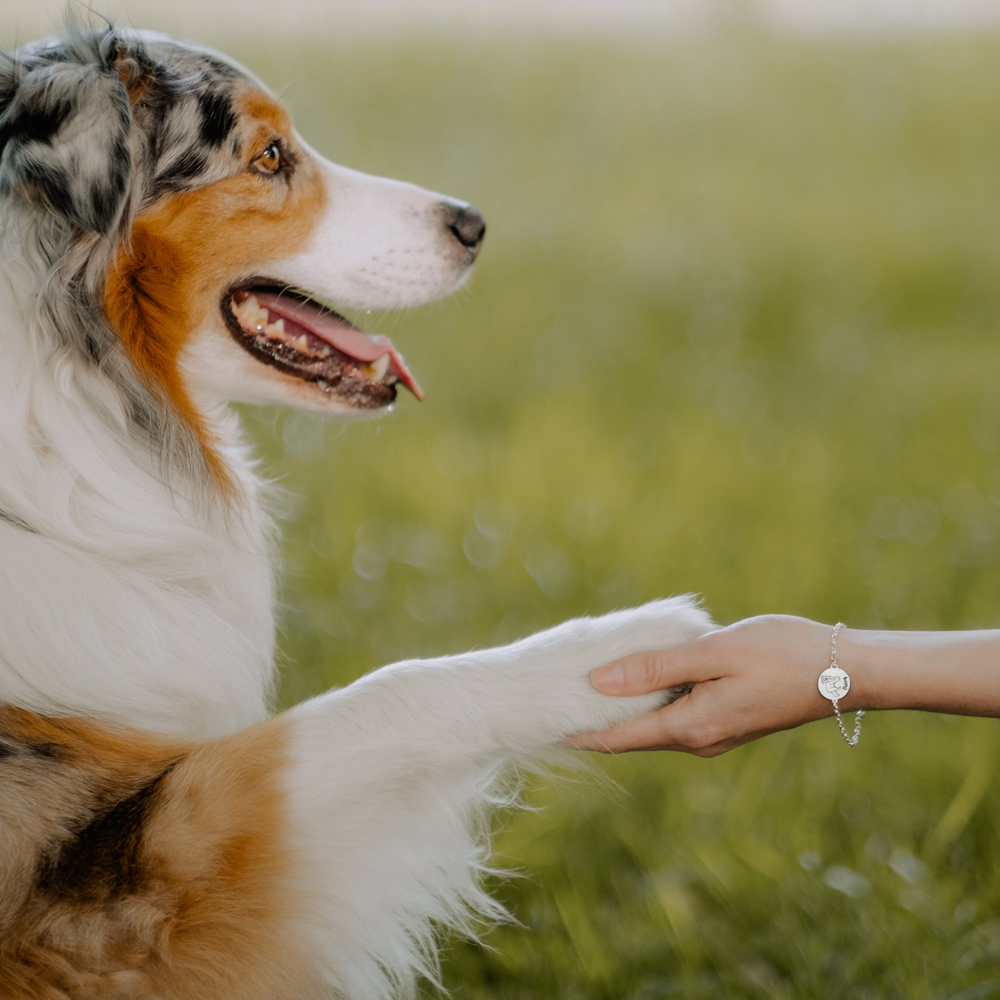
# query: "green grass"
{"type": "Point", "coordinates": [734, 331]}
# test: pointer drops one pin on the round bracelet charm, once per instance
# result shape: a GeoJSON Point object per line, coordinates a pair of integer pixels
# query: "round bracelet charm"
{"type": "Point", "coordinates": [834, 683]}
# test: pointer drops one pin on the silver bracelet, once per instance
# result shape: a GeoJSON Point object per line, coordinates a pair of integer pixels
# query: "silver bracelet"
{"type": "Point", "coordinates": [834, 684]}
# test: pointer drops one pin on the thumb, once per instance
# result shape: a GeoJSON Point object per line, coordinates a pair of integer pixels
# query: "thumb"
{"type": "Point", "coordinates": [649, 671]}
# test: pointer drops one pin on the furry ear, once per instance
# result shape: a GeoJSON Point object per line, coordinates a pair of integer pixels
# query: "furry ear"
{"type": "Point", "coordinates": [64, 134]}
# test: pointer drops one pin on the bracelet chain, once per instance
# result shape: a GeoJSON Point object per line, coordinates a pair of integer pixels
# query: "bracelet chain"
{"type": "Point", "coordinates": [850, 740]}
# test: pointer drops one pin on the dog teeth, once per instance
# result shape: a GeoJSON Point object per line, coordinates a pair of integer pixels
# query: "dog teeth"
{"type": "Point", "coordinates": [300, 343]}
{"type": "Point", "coordinates": [377, 369]}
{"type": "Point", "coordinates": [325, 353]}
{"type": "Point", "coordinates": [276, 331]}
{"type": "Point", "coordinates": [250, 315]}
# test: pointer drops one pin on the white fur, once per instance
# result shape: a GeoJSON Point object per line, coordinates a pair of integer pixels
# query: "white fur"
{"type": "Point", "coordinates": [380, 245]}
{"type": "Point", "coordinates": [128, 600]}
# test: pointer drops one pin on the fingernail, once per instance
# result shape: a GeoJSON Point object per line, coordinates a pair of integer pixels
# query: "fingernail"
{"type": "Point", "coordinates": [609, 678]}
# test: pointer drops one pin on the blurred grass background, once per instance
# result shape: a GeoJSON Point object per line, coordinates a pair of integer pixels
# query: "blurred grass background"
{"type": "Point", "coordinates": [734, 331]}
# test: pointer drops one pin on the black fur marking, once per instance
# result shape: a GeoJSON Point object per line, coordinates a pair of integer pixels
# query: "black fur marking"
{"type": "Point", "coordinates": [104, 202]}
{"type": "Point", "coordinates": [13, 519]}
{"type": "Point", "coordinates": [217, 119]}
{"type": "Point", "coordinates": [6, 751]}
{"type": "Point", "coordinates": [189, 166]}
{"type": "Point", "coordinates": [35, 124]}
{"type": "Point", "coordinates": [106, 197]}
{"type": "Point", "coordinates": [51, 182]}
{"type": "Point", "coordinates": [221, 67]}
{"type": "Point", "coordinates": [103, 860]}
{"type": "Point", "coordinates": [8, 88]}
{"type": "Point", "coordinates": [56, 54]}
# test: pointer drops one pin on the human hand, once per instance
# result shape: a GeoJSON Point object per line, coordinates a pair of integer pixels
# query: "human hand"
{"type": "Point", "coordinates": [750, 679]}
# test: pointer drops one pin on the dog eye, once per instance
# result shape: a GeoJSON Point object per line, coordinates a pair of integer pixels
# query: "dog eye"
{"type": "Point", "coordinates": [269, 162]}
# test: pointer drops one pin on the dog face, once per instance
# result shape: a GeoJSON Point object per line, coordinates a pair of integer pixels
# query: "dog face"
{"type": "Point", "coordinates": [228, 239]}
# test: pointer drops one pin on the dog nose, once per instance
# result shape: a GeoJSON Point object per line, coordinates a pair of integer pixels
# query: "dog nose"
{"type": "Point", "coordinates": [466, 224]}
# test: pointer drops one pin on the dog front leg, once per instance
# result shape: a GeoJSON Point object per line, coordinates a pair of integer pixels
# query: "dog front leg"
{"type": "Point", "coordinates": [506, 701]}
{"type": "Point", "coordinates": [392, 779]}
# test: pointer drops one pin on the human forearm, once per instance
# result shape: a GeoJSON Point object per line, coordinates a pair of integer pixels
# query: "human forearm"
{"type": "Point", "coordinates": [955, 672]}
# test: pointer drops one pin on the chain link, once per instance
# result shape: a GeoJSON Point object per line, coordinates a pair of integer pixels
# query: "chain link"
{"type": "Point", "coordinates": [850, 740]}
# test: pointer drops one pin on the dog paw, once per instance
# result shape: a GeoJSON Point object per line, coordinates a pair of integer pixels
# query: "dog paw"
{"type": "Point", "coordinates": [578, 647]}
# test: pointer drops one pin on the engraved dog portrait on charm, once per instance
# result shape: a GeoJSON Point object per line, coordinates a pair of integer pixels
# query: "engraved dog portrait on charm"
{"type": "Point", "coordinates": [834, 684]}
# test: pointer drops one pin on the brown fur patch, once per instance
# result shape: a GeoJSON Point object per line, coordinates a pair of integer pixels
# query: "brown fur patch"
{"type": "Point", "coordinates": [135, 80]}
{"type": "Point", "coordinates": [258, 106]}
{"type": "Point", "coordinates": [190, 248]}
{"type": "Point", "coordinates": [138, 867]}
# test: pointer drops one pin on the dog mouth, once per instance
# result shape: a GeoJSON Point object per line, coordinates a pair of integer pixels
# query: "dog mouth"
{"type": "Point", "coordinates": [293, 332]}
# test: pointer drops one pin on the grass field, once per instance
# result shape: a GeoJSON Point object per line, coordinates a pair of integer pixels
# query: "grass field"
{"type": "Point", "coordinates": [734, 331]}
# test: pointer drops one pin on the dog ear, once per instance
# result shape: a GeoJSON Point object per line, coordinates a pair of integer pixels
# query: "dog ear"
{"type": "Point", "coordinates": [64, 140]}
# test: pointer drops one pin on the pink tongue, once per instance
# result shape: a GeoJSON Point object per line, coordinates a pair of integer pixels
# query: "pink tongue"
{"type": "Point", "coordinates": [339, 333]}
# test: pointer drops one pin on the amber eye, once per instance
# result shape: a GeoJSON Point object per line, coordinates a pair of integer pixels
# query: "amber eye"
{"type": "Point", "coordinates": [269, 162]}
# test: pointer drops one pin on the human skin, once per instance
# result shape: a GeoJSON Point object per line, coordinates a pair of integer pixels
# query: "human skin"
{"type": "Point", "coordinates": [760, 675]}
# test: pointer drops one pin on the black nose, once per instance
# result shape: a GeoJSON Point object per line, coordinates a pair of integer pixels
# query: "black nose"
{"type": "Point", "coordinates": [465, 224]}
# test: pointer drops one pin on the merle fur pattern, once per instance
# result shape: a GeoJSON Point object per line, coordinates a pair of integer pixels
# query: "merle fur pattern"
{"type": "Point", "coordinates": [95, 128]}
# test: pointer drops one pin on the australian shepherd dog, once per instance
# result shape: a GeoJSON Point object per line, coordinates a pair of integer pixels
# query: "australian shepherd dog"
{"type": "Point", "coordinates": [168, 244]}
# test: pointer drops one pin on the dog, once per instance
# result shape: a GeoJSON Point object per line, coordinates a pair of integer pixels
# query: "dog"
{"type": "Point", "coordinates": [169, 244]}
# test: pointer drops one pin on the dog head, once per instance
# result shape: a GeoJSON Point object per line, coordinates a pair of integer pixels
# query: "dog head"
{"type": "Point", "coordinates": [212, 241]}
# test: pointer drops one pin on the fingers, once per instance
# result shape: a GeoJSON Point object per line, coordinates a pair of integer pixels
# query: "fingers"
{"type": "Point", "coordinates": [671, 728]}
{"type": "Point", "coordinates": [655, 670]}
{"type": "Point", "coordinates": [645, 732]}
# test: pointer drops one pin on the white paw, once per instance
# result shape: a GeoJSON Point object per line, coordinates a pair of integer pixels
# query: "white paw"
{"type": "Point", "coordinates": [572, 650]}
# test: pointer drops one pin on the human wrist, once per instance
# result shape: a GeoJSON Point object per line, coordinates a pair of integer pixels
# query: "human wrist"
{"type": "Point", "coordinates": [869, 665]}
